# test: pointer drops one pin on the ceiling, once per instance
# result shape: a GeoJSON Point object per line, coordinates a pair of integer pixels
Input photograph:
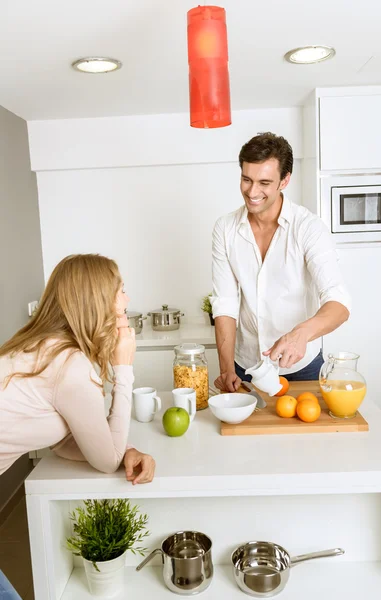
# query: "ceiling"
{"type": "Point", "coordinates": [39, 39]}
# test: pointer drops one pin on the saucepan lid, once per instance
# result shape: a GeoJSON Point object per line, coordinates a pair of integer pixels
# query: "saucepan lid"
{"type": "Point", "coordinates": [164, 310]}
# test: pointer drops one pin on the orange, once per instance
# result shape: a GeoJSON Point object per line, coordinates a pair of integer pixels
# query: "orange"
{"type": "Point", "coordinates": [286, 406]}
{"type": "Point", "coordinates": [285, 386]}
{"type": "Point", "coordinates": [307, 396]}
{"type": "Point", "coordinates": [308, 410]}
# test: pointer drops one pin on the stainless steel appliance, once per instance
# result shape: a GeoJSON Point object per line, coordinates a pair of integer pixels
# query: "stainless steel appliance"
{"type": "Point", "coordinates": [351, 207]}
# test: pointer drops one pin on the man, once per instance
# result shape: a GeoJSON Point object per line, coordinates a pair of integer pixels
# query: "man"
{"type": "Point", "coordinates": [274, 263]}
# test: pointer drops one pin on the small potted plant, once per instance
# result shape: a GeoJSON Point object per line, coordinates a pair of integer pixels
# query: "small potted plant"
{"type": "Point", "coordinates": [104, 530]}
{"type": "Point", "coordinates": [207, 308]}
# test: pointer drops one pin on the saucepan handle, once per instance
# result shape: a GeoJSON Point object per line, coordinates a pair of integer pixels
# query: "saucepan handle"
{"type": "Point", "coordinates": [323, 554]}
{"type": "Point", "coordinates": [148, 558]}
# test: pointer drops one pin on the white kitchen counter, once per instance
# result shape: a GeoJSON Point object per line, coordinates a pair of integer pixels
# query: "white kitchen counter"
{"type": "Point", "coordinates": [204, 463]}
{"type": "Point", "coordinates": [305, 492]}
{"type": "Point", "coordinates": [331, 581]}
{"type": "Point", "coordinates": [198, 332]}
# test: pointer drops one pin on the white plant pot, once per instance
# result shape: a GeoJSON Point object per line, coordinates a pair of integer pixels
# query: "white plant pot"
{"type": "Point", "coordinates": [108, 581]}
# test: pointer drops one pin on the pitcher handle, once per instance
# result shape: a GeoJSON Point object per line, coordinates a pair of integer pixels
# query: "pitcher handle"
{"type": "Point", "coordinates": [272, 363]}
{"type": "Point", "coordinates": [324, 553]}
{"type": "Point", "coordinates": [327, 367]}
{"type": "Point", "coordinates": [148, 558]}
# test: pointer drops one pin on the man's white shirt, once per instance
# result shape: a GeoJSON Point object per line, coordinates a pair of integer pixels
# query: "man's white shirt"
{"type": "Point", "coordinates": [300, 272]}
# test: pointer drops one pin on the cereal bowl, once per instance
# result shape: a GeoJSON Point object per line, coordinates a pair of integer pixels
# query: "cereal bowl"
{"type": "Point", "coordinates": [232, 408]}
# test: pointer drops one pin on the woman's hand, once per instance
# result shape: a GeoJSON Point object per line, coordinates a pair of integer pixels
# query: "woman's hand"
{"type": "Point", "coordinates": [139, 467]}
{"type": "Point", "coordinates": [124, 352]}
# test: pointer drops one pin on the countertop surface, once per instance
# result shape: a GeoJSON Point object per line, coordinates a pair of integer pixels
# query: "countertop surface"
{"type": "Point", "coordinates": [198, 332]}
{"type": "Point", "coordinates": [204, 463]}
{"type": "Point", "coordinates": [332, 581]}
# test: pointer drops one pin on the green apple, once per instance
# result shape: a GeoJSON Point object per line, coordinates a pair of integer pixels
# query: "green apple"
{"type": "Point", "coordinates": [175, 421]}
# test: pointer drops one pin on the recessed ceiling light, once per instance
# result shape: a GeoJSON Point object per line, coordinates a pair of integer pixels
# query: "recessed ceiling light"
{"type": "Point", "coordinates": [96, 64]}
{"type": "Point", "coordinates": [309, 54]}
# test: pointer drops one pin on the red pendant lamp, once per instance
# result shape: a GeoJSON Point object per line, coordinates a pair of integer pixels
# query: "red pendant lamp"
{"type": "Point", "coordinates": [209, 90]}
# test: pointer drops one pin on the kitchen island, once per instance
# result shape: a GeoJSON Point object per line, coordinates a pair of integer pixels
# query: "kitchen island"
{"type": "Point", "coordinates": [306, 492]}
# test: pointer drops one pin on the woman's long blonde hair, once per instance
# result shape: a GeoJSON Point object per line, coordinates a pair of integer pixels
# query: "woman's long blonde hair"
{"type": "Point", "coordinates": [78, 310]}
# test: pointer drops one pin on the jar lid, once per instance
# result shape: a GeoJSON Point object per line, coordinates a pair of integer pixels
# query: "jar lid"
{"type": "Point", "coordinates": [165, 310]}
{"type": "Point", "coordinates": [190, 349]}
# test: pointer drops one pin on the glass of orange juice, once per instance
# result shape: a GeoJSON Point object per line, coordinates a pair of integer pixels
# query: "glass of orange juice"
{"type": "Point", "coordinates": [343, 388]}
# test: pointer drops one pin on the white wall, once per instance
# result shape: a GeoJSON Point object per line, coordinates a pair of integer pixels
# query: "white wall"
{"type": "Point", "coordinates": [155, 221]}
{"type": "Point", "coordinates": [146, 191]}
{"type": "Point", "coordinates": [21, 278]}
{"type": "Point", "coordinates": [153, 139]}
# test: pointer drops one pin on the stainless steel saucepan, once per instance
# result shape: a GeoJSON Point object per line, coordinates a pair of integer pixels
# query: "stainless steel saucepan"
{"type": "Point", "coordinates": [165, 318]}
{"type": "Point", "coordinates": [187, 562]}
{"type": "Point", "coordinates": [135, 320]}
{"type": "Point", "coordinates": [262, 569]}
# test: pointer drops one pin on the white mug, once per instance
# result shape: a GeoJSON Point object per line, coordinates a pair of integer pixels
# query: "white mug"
{"type": "Point", "coordinates": [146, 404]}
{"type": "Point", "coordinates": [265, 376]}
{"type": "Point", "coordinates": [185, 398]}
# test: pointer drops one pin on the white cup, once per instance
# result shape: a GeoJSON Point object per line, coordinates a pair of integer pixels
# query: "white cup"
{"type": "Point", "coordinates": [265, 376]}
{"type": "Point", "coordinates": [185, 398]}
{"type": "Point", "coordinates": [146, 404]}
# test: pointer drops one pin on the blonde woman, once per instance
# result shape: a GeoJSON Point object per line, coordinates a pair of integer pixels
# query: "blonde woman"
{"type": "Point", "coordinates": [50, 393]}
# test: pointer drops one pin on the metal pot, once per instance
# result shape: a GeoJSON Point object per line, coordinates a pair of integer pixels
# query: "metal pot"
{"type": "Point", "coordinates": [187, 562]}
{"type": "Point", "coordinates": [262, 569]}
{"type": "Point", "coordinates": [135, 320]}
{"type": "Point", "coordinates": [165, 319]}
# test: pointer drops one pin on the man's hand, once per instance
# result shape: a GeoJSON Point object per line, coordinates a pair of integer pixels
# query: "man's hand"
{"type": "Point", "coordinates": [290, 347]}
{"type": "Point", "coordinates": [228, 382]}
{"type": "Point", "coordinates": [139, 467]}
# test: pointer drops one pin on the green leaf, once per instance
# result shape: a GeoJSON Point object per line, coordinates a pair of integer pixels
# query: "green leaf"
{"type": "Point", "coordinates": [105, 529]}
{"type": "Point", "coordinates": [206, 305]}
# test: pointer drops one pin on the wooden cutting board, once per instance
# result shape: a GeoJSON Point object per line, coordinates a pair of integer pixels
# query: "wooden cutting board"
{"type": "Point", "coordinates": [265, 421]}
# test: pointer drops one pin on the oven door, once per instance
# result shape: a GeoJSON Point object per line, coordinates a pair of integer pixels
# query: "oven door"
{"type": "Point", "coordinates": [356, 209]}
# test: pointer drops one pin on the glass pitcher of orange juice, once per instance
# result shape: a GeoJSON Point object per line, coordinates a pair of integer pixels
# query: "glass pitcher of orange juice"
{"type": "Point", "coordinates": [342, 386]}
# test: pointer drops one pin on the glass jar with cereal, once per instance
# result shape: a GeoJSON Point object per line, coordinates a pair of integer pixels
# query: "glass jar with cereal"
{"type": "Point", "coordinates": [190, 369]}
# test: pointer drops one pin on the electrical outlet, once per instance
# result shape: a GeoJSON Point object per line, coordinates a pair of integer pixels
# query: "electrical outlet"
{"type": "Point", "coordinates": [32, 306]}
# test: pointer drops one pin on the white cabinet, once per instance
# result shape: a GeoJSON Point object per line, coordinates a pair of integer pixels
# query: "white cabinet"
{"type": "Point", "coordinates": [362, 332]}
{"type": "Point", "coordinates": [342, 137]}
{"type": "Point", "coordinates": [350, 132]}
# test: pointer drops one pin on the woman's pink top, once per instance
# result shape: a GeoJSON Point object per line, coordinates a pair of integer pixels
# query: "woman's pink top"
{"type": "Point", "coordinates": [64, 408]}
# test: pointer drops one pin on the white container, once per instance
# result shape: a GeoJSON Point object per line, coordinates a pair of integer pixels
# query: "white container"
{"type": "Point", "coordinates": [108, 581]}
{"type": "Point", "coordinates": [232, 408]}
{"type": "Point", "coordinates": [146, 403]}
{"type": "Point", "coordinates": [265, 377]}
{"type": "Point", "coordinates": [185, 398]}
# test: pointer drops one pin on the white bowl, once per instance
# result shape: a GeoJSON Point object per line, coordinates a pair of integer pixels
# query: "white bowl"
{"type": "Point", "coordinates": [232, 408]}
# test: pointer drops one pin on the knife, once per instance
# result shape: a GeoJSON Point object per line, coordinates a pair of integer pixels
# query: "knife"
{"type": "Point", "coordinates": [249, 388]}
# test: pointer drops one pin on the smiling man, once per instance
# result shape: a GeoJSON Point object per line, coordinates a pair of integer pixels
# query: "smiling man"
{"type": "Point", "coordinates": [277, 287]}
